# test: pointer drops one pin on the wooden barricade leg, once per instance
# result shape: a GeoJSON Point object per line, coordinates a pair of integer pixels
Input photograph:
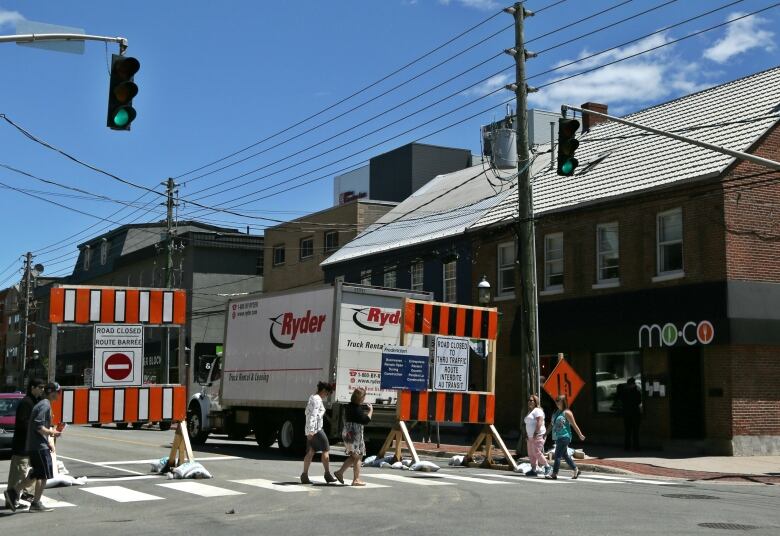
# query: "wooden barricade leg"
{"type": "Point", "coordinates": [503, 448]}
{"type": "Point", "coordinates": [486, 437]}
{"type": "Point", "coordinates": [399, 434]}
{"type": "Point", "coordinates": [181, 449]}
{"type": "Point", "coordinates": [409, 442]}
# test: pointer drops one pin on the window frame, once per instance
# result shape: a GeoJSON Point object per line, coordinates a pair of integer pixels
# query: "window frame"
{"type": "Point", "coordinates": [502, 290]}
{"type": "Point", "coordinates": [392, 269]}
{"type": "Point", "coordinates": [548, 262]}
{"type": "Point", "coordinates": [599, 253]}
{"type": "Point", "coordinates": [366, 275]}
{"type": "Point", "coordinates": [659, 245]}
{"type": "Point", "coordinates": [278, 248]}
{"type": "Point", "coordinates": [330, 248]}
{"type": "Point", "coordinates": [105, 245]}
{"type": "Point", "coordinates": [414, 285]}
{"type": "Point", "coordinates": [453, 279]}
{"type": "Point", "coordinates": [87, 261]}
{"type": "Point", "coordinates": [301, 248]}
{"type": "Point", "coordinates": [639, 376]}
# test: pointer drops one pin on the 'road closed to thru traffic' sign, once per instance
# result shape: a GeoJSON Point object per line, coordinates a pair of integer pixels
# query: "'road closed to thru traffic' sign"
{"type": "Point", "coordinates": [451, 368]}
{"type": "Point", "coordinates": [118, 355]}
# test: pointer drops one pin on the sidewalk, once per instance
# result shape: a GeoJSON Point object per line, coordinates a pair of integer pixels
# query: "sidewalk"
{"type": "Point", "coordinates": [756, 469]}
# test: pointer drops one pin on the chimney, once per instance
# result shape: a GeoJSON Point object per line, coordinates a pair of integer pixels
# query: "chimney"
{"type": "Point", "coordinates": [589, 120]}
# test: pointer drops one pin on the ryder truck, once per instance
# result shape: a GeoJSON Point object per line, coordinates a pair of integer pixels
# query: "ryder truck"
{"type": "Point", "coordinates": [278, 346]}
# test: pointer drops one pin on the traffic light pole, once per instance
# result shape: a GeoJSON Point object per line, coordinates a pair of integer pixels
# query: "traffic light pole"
{"type": "Point", "coordinates": [736, 154]}
{"type": "Point", "coordinates": [526, 242]}
{"type": "Point", "coordinates": [31, 38]}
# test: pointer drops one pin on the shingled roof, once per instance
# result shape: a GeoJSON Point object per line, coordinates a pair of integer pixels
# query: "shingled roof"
{"type": "Point", "coordinates": [615, 160]}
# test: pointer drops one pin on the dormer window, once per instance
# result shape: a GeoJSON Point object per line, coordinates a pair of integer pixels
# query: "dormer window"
{"type": "Point", "coordinates": [87, 255]}
{"type": "Point", "coordinates": [105, 245]}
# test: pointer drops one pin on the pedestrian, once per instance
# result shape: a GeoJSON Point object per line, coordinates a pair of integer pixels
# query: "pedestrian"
{"type": "Point", "coordinates": [631, 400]}
{"type": "Point", "coordinates": [20, 460]}
{"type": "Point", "coordinates": [535, 433]}
{"type": "Point", "coordinates": [561, 424]}
{"type": "Point", "coordinates": [316, 438]}
{"type": "Point", "coordinates": [40, 446]}
{"type": "Point", "coordinates": [356, 416]}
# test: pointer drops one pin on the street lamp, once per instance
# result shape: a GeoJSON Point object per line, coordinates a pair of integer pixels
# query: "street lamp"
{"type": "Point", "coordinates": [483, 289]}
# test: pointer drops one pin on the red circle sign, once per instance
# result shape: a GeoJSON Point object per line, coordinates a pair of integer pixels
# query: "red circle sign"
{"type": "Point", "coordinates": [118, 366]}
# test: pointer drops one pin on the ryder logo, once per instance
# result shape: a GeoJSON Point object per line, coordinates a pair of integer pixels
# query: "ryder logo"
{"type": "Point", "coordinates": [375, 319]}
{"type": "Point", "coordinates": [288, 326]}
{"type": "Point", "coordinates": [669, 334]}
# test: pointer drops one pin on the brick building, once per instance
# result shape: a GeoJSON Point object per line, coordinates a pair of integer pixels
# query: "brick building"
{"type": "Point", "coordinates": [657, 260]}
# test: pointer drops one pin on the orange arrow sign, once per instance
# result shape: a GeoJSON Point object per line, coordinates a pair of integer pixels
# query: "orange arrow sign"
{"type": "Point", "coordinates": [564, 381]}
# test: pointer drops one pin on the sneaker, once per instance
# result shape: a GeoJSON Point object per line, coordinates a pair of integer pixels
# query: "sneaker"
{"type": "Point", "coordinates": [551, 476]}
{"type": "Point", "coordinates": [531, 473]}
{"type": "Point", "coordinates": [547, 470]}
{"type": "Point", "coordinates": [10, 499]}
{"type": "Point", "coordinates": [305, 479]}
{"type": "Point", "coordinates": [576, 474]}
{"type": "Point", "coordinates": [39, 507]}
{"type": "Point", "coordinates": [329, 478]}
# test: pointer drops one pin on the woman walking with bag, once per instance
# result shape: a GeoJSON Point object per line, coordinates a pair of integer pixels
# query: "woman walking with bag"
{"type": "Point", "coordinates": [316, 439]}
{"type": "Point", "coordinates": [535, 432]}
{"type": "Point", "coordinates": [356, 417]}
{"type": "Point", "coordinates": [561, 424]}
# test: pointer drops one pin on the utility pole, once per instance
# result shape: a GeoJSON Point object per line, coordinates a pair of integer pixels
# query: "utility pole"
{"type": "Point", "coordinates": [526, 243]}
{"type": "Point", "coordinates": [26, 295]}
{"type": "Point", "coordinates": [170, 186]}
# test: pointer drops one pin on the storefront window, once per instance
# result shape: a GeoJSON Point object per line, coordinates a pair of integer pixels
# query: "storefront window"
{"type": "Point", "coordinates": [612, 371]}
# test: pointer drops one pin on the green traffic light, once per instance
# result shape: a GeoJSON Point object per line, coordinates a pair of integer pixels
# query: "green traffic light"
{"type": "Point", "coordinates": [568, 167]}
{"type": "Point", "coordinates": [121, 118]}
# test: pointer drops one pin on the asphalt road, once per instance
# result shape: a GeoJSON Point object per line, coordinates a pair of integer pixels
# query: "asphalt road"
{"type": "Point", "coordinates": [259, 492]}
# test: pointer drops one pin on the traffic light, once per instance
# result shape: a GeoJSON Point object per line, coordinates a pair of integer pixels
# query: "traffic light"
{"type": "Point", "coordinates": [567, 144]}
{"type": "Point", "coordinates": [121, 91]}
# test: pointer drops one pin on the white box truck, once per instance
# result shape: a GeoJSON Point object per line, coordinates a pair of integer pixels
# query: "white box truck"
{"type": "Point", "coordinates": [278, 346]}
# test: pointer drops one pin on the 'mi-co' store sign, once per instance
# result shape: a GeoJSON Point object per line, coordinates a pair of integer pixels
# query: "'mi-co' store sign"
{"type": "Point", "coordinates": [669, 334]}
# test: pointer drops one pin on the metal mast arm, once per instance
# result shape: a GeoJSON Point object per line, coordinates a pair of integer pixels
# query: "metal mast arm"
{"type": "Point", "coordinates": [30, 38]}
{"type": "Point", "coordinates": [736, 154]}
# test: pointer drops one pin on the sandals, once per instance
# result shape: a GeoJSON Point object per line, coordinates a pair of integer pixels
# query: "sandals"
{"type": "Point", "coordinates": [358, 483]}
{"type": "Point", "coordinates": [339, 476]}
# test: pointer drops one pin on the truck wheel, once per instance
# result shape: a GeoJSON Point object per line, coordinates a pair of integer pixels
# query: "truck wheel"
{"type": "Point", "coordinates": [137, 425]}
{"type": "Point", "coordinates": [236, 432]}
{"type": "Point", "coordinates": [195, 427]}
{"type": "Point", "coordinates": [265, 436]}
{"type": "Point", "coordinates": [291, 437]}
{"type": "Point", "coordinates": [96, 425]}
{"type": "Point", "coordinates": [122, 425]}
{"type": "Point", "coordinates": [165, 425]}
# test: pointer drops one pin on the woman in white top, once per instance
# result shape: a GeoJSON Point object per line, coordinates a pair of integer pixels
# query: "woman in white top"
{"type": "Point", "coordinates": [316, 438]}
{"type": "Point", "coordinates": [535, 431]}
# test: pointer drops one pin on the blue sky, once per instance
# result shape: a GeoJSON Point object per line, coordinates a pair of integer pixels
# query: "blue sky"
{"type": "Point", "coordinates": [216, 78]}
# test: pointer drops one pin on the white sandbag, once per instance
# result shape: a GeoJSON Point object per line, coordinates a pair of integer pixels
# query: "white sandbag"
{"type": "Point", "coordinates": [456, 460]}
{"type": "Point", "coordinates": [64, 481]}
{"type": "Point", "coordinates": [159, 465]}
{"type": "Point", "coordinates": [397, 465]}
{"type": "Point", "coordinates": [523, 468]}
{"type": "Point", "coordinates": [425, 466]}
{"type": "Point", "coordinates": [383, 464]}
{"type": "Point", "coordinates": [407, 462]}
{"type": "Point", "coordinates": [190, 470]}
{"type": "Point", "coordinates": [369, 461]}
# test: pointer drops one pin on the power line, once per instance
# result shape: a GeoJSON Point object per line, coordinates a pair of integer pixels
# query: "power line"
{"type": "Point", "coordinates": [345, 99]}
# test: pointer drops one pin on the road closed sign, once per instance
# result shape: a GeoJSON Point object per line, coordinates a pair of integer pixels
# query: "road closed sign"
{"type": "Point", "coordinates": [451, 366]}
{"type": "Point", "coordinates": [118, 355]}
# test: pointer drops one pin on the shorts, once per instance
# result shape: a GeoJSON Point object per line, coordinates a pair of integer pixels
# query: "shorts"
{"type": "Point", "coordinates": [319, 442]}
{"type": "Point", "coordinates": [40, 462]}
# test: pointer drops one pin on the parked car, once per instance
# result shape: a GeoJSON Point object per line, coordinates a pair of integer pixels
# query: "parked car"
{"type": "Point", "coordinates": [8, 404]}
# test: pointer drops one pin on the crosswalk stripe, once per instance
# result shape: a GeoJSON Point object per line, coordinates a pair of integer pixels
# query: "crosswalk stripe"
{"type": "Point", "coordinates": [417, 480]}
{"type": "Point", "coordinates": [203, 490]}
{"type": "Point", "coordinates": [606, 478]}
{"type": "Point", "coordinates": [523, 478]}
{"type": "Point", "coordinates": [48, 502]}
{"type": "Point", "coordinates": [122, 494]}
{"type": "Point", "coordinates": [275, 486]}
{"type": "Point", "coordinates": [369, 485]}
{"type": "Point", "coordinates": [468, 479]}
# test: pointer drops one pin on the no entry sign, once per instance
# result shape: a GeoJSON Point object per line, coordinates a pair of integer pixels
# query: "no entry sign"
{"type": "Point", "coordinates": [118, 355]}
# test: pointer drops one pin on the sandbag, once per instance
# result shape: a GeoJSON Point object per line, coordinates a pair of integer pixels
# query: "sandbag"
{"type": "Point", "coordinates": [425, 466]}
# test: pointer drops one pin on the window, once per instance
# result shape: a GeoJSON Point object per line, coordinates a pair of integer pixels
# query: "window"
{"type": "Point", "coordinates": [506, 268]}
{"type": "Point", "coordinates": [417, 275]}
{"type": "Point", "coordinates": [390, 277]}
{"type": "Point", "coordinates": [365, 277]}
{"type": "Point", "coordinates": [608, 252]}
{"type": "Point", "coordinates": [670, 242]}
{"type": "Point", "coordinates": [87, 257]}
{"type": "Point", "coordinates": [307, 248]}
{"type": "Point", "coordinates": [331, 241]}
{"type": "Point", "coordinates": [612, 371]}
{"type": "Point", "coordinates": [553, 261]}
{"type": "Point", "coordinates": [450, 287]}
{"type": "Point", "coordinates": [278, 255]}
{"type": "Point", "coordinates": [105, 245]}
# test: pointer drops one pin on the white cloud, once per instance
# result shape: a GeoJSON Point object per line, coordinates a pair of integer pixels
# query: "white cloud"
{"type": "Point", "coordinates": [9, 17]}
{"type": "Point", "coordinates": [647, 78]}
{"type": "Point", "coordinates": [476, 4]}
{"type": "Point", "coordinates": [741, 36]}
{"type": "Point", "coordinates": [488, 86]}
